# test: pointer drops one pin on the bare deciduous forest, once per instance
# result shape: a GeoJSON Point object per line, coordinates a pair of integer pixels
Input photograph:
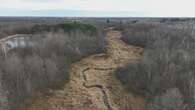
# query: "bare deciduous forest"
{"type": "Point", "coordinates": [55, 46]}
{"type": "Point", "coordinates": [151, 58]}
{"type": "Point", "coordinates": [165, 73]}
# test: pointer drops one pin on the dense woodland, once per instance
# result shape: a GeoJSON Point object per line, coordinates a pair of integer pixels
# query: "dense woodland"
{"type": "Point", "coordinates": [165, 73]}
{"type": "Point", "coordinates": [44, 65]}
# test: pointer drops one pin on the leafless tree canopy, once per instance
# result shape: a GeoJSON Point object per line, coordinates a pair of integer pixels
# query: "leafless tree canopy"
{"type": "Point", "coordinates": [165, 74]}
{"type": "Point", "coordinates": [45, 64]}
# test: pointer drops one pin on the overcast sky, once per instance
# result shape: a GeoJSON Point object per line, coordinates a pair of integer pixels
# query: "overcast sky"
{"type": "Point", "coordinates": [134, 8]}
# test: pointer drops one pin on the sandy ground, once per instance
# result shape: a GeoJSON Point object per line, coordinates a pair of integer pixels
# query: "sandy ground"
{"type": "Point", "coordinates": [93, 85]}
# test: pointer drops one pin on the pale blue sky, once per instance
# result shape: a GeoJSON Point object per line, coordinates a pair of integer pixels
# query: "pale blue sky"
{"type": "Point", "coordinates": [120, 8]}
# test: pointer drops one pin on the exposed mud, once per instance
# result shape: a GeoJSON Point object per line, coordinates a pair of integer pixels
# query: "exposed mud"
{"type": "Point", "coordinates": [93, 85]}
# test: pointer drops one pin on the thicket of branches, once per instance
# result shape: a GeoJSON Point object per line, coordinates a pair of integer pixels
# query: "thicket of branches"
{"type": "Point", "coordinates": [166, 73]}
{"type": "Point", "coordinates": [46, 63]}
{"type": "Point", "coordinates": [10, 28]}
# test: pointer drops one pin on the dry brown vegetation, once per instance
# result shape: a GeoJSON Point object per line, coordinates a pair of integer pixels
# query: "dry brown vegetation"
{"type": "Point", "coordinates": [74, 68]}
{"type": "Point", "coordinates": [92, 84]}
{"type": "Point", "coordinates": [45, 64]}
{"type": "Point", "coordinates": [165, 74]}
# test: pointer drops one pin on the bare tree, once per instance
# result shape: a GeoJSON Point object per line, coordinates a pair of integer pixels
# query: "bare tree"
{"type": "Point", "coordinates": [4, 105]}
{"type": "Point", "coordinates": [171, 100]}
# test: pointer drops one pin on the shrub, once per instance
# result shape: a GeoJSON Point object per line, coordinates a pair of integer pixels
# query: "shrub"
{"type": "Point", "coordinates": [138, 34]}
{"type": "Point", "coordinates": [46, 63]}
{"type": "Point", "coordinates": [168, 62]}
{"type": "Point", "coordinates": [172, 99]}
{"type": "Point", "coordinates": [3, 96]}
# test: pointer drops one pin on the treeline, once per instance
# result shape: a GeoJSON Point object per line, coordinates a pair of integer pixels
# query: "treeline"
{"type": "Point", "coordinates": [35, 28]}
{"type": "Point", "coordinates": [66, 27]}
{"type": "Point", "coordinates": [166, 73]}
{"type": "Point", "coordinates": [46, 63]}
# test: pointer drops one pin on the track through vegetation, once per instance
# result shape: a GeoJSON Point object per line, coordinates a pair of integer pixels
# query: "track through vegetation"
{"type": "Point", "coordinates": [93, 85]}
{"type": "Point", "coordinates": [105, 96]}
